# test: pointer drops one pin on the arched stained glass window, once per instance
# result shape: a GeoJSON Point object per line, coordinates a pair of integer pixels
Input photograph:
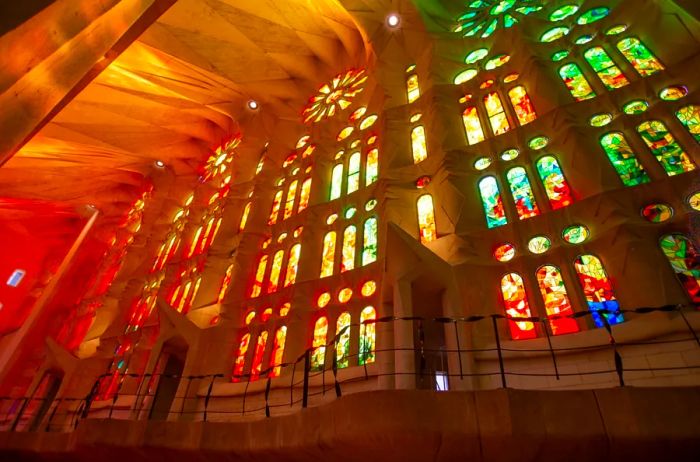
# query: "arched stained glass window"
{"type": "Point", "coordinates": [259, 277]}
{"type": "Point", "coordinates": [496, 113]}
{"type": "Point", "coordinates": [349, 243]}
{"type": "Point", "coordinates": [426, 219]}
{"type": "Point", "coordinates": [291, 198]}
{"type": "Point", "coordinates": [472, 126]}
{"type": "Point", "coordinates": [244, 217]}
{"type": "Point", "coordinates": [328, 256]}
{"type": "Point", "coordinates": [225, 283]}
{"type": "Point", "coordinates": [639, 56]}
{"type": "Point", "coordinates": [522, 105]}
{"type": "Point", "coordinates": [523, 197]}
{"type": "Point", "coordinates": [258, 356]}
{"type": "Point", "coordinates": [492, 202]}
{"type": "Point", "coordinates": [412, 88]}
{"type": "Point", "coordinates": [608, 72]}
{"type": "Point", "coordinates": [556, 186]}
{"type": "Point", "coordinates": [577, 84]}
{"type": "Point", "coordinates": [276, 204]}
{"type": "Point", "coordinates": [275, 271]}
{"type": "Point", "coordinates": [354, 172]}
{"type": "Point", "coordinates": [689, 116]}
{"type": "Point", "coordinates": [516, 305]}
{"type": "Point", "coordinates": [239, 364]}
{"type": "Point", "coordinates": [304, 195]}
{"type": "Point", "coordinates": [624, 159]}
{"type": "Point", "coordinates": [342, 345]}
{"type": "Point", "coordinates": [372, 171]}
{"type": "Point", "coordinates": [667, 151]}
{"type": "Point", "coordinates": [556, 300]}
{"type": "Point", "coordinates": [367, 335]}
{"type": "Point", "coordinates": [337, 182]}
{"type": "Point", "coordinates": [685, 261]}
{"type": "Point", "coordinates": [290, 276]}
{"type": "Point", "coordinates": [420, 150]}
{"type": "Point", "coordinates": [318, 357]}
{"type": "Point", "coordinates": [369, 244]}
{"type": "Point", "coordinates": [278, 351]}
{"type": "Point", "coordinates": [597, 289]}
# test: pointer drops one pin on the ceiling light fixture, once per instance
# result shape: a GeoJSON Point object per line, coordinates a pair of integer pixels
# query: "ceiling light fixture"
{"type": "Point", "coordinates": [393, 20]}
{"type": "Point", "coordinates": [253, 105]}
{"type": "Point", "coordinates": [159, 164]}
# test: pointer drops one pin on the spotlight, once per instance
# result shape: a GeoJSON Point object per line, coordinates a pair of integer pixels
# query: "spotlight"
{"type": "Point", "coordinates": [393, 20]}
{"type": "Point", "coordinates": [159, 164]}
{"type": "Point", "coordinates": [253, 105]}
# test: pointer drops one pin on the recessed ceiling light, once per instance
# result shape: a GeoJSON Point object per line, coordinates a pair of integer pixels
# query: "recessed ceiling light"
{"type": "Point", "coordinates": [159, 164]}
{"type": "Point", "coordinates": [253, 105]}
{"type": "Point", "coordinates": [393, 20]}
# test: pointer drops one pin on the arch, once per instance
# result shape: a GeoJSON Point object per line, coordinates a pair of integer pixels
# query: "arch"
{"type": "Point", "coordinates": [496, 113]}
{"type": "Point", "coordinates": [556, 300]}
{"type": "Point", "coordinates": [318, 357]}
{"type": "Point", "coordinates": [354, 164]}
{"type": "Point", "coordinates": [275, 270]}
{"type": "Point", "coordinates": [555, 184]}
{"type": "Point", "coordinates": [472, 126]}
{"type": "Point", "coordinates": [349, 243]}
{"type": "Point", "coordinates": [597, 289]}
{"type": "Point", "coordinates": [367, 335]}
{"type": "Point", "coordinates": [328, 254]}
{"type": "Point", "coordinates": [575, 81]}
{"type": "Point", "coordinates": [426, 218]}
{"type": "Point", "coordinates": [260, 345]}
{"type": "Point", "coordinates": [685, 261]}
{"type": "Point", "coordinates": [623, 159]}
{"type": "Point", "coordinates": [492, 202]}
{"type": "Point", "coordinates": [418, 145]}
{"type": "Point", "coordinates": [639, 56]}
{"type": "Point", "coordinates": [290, 275]}
{"type": "Point", "coordinates": [522, 105]}
{"type": "Point", "coordinates": [608, 72]}
{"type": "Point", "coordinates": [291, 198]}
{"type": "Point", "coordinates": [278, 351]}
{"type": "Point", "coordinates": [525, 203]}
{"type": "Point", "coordinates": [239, 364]}
{"type": "Point", "coordinates": [689, 116]}
{"type": "Point", "coordinates": [369, 244]}
{"type": "Point", "coordinates": [516, 305]}
{"type": "Point", "coordinates": [342, 345]}
{"type": "Point", "coordinates": [663, 145]}
{"type": "Point", "coordinates": [276, 204]}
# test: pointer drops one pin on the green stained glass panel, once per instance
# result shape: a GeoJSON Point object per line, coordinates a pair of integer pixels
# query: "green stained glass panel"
{"type": "Point", "coordinates": [635, 107]}
{"type": "Point", "coordinates": [663, 145]}
{"type": "Point", "coordinates": [554, 33]}
{"type": "Point", "coordinates": [623, 159]}
{"type": "Point", "coordinates": [689, 116]}
{"type": "Point", "coordinates": [593, 15]}
{"type": "Point", "coordinates": [563, 12]}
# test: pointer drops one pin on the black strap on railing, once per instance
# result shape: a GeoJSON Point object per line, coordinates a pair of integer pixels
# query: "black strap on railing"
{"type": "Point", "coordinates": [307, 369]}
{"type": "Point", "coordinates": [501, 366]}
{"type": "Point", "coordinates": [619, 367]}
{"type": "Point", "coordinates": [267, 396]}
{"type": "Point", "coordinates": [208, 397]}
{"type": "Point", "coordinates": [545, 327]}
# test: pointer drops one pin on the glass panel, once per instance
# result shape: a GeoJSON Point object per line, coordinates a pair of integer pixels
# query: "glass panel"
{"type": "Point", "coordinates": [328, 257]}
{"type": "Point", "coordinates": [372, 172]}
{"type": "Point", "coordinates": [291, 197]}
{"type": "Point", "coordinates": [624, 159]}
{"type": "Point", "coordinates": [337, 182]}
{"type": "Point", "coordinates": [304, 195]}
{"type": "Point", "coordinates": [367, 335]}
{"type": "Point", "coordinates": [240, 357]}
{"type": "Point", "coordinates": [290, 276]}
{"type": "Point", "coordinates": [426, 219]}
{"type": "Point", "coordinates": [472, 126]}
{"type": "Point", "coordinates": [258, 356]}
{"type": "Point", "coordinates": [523, 197]}
{"type": "Point", "coordinates": [603, 65]}
{"type": "Point", "coordinates": [556, 186]}
{"type": "Point", "coordinates": [276, 203]}
{"type": "Point", "coordinates": [342, 345]}
{"type": "Point", "coordinates": [522, 105]}
{"type": "Point", "coordinates": [259, 277]}
{"type": "Point", "coordinates": [639, 56]}
{"type": "Point", "coordinates": [492, 202]}
{"type": "Point", "coordinates": [369, 247]}
{"type": "Point", "coordinates": [278, 351]}
{"type": "Point", "coordinates": [516, 305]}
{"type": "Point", "coordinates": [665, 148]}
{"type": "Point", "coordinates": [577, 84]}
{"type": "Point", "coordinates": [318, 357]}
{"type": "Point", "coordinates": [412, 88]}
{"type": "Point", "coordinates": [597, 289]}
{"type": "Point", "coordinates": [275, 271]}
{"type": "Point", "coordinates": [420, 150]}
{"type": "Point", "coordinates": [354, 172]}
{"type": "Point", "coordinates": [244, 217]}
{"type": "Point", "coordinates": [685, 261]}
{"type": "Point", "coordinates": [496, 113]}
{"type": "Point", "coordinates": [690, 118]}
{"type": "Point", "coordinates": [556, 300]}
{"type": "Point", "coordinates": [349, 241]}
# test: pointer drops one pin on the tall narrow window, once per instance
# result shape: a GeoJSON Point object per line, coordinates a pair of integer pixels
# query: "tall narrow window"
{"type": "Point", "coordinates": [369, 244]}
{"type": "Point", "coordinates": [624, 159]}
{"type": "Point", "coordinates": [244, 217]}
{"type": "Point", "coordinates": [496, 113]}
{"type": "Point", "coordinates": [605, 67]}
{"type": "Point", "coordinates": [522, 105]}
{"type": "Point", "coordinates": [349, 242]}
{"type": "Point", "coordinates": [426, 219]}
{"type": "Point", "coordinates": [367, 335]}
{"type": "Point", "coordinates": [354, 172]}
{"type": "Point", "coordinates": [225, 284]}
{"type": "Point", "coordinates": [556, 300]}
{"type": "Point", "coordinates": [291, 198]}
{"type": "Point", "coordinates": [685, 261]}
{"type": "Point", "coordinates": [577, 84]}
{"type": "Point", "coordinates": [520, 187]}
{"type": "Point", "coordinates": [517, 306]}
{"type": "Point", "coordinates": [556, 186]}
{"type": "Point", "coordinates": [667, 151]}
{"type": "Point", "coordinates": [258, 356]}
{"type": "Point", "coordinates": [472, 126]}
{"type": "Point", "coordinates": [492, 202]}
{"type": "Point", "coordinates": [337, 182]}
{"type": "Point", "coordinates": [290, 276]}
{"type": "Point", "coordinates": [328, 256]}
{"type": "Point", "coordinates": [412, 87]}
{"type": "Point", "coordinates": [304, 195]}
{"type": "Point", "coordinates": [276, 203]}
{"type": "Point", "coordinates": [689, 116]}
{"type": "Point", "coordinates": [259, 277]}
{"type": "Point", "coordinates": [598, 290]}
{"type": "Point", "coordinates": [278, 352]}
{"type": "Point", "coordinates": [275, 271]}
{"type": "Point", "coordinates": [639, 56]}
{"type": "Point", "coordinates": [318, 357]}
{"type": "Point", "coordinates": [420, 150]}
{"type": "Point", "coordinates": [342, 345]}
{"type": "Point", "coordinates": [240, 357]}
{"type": "Point", "coordinates": [372, 171]}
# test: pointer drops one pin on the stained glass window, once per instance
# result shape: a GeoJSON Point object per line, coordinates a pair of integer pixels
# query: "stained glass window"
{"type": "Point", "coordinates": [240, 357]}
{"type": "Point", "coordinates": [484, 17]}
{"type": "Point", "coordinates": [291, 198]}
{"type": "Point", "coordinates": [426, 219]}
{"type": "Point", "coordinates": [420, 150]}
{"type": "Point", "coordinates": [318, 357]}
{"type": "Point", "coordinates": [667, 151]}
{"type": "Point", "coordinates": [258, 356]}
{"type": "Point", "coordinates": [367, 335]}
{"type": "Point", "coordinates": [342, 345]}
{"type": "Point", "coordinates": [290, 276]}
{"type": "Point", "coordinates": [472, 126]}
{"type": "Point", "coordinates": [328, 256]}
{"type": "Point", "coordinates": [639, 56]}
{"type": "Point", "coordinates": [304, 195]}
{"type": "Point", "coordinates": [577, 84]}
{"type": "Point", "coordinates": [259, 277]}
{"type": "Point", "coordinates": [520, 187]}
{"type": "Point", "coordinates": [278, 352]}
{"type": "Point", "coordinates": [275, 271]}
{"type": "Point", "coordinates": [369, 245]}
{"type": "Point", "coordinates": [337, 182]}
{"type": "Point", "coordinates": [598, 290]}
{"type": "Point", "coordinates": [244, 217]}
{"type": "Point", "coordinates": [556, 186]}
{"type": "Point", "coordinates": [354, 172]}
{"type": "Point", "coordinates": [624, 159]}
{"type": "Point", "coordinates": [349, 242]}
{"type": "Point", "coordinates": [372, 172]}
{"type": "Point", "coordinates": [335, 96]}
{"type": "Point", "coordinates": [556, 300]}
{"type": "Point", "coordinates": [412, 88]}
{"type": "Point", "coordinates": [605, 67]}
{"type": "Point", "coordinates": [685, 261]}
{"type": "Point", "coordinates": [522, 105]}
{"type": "Point", "coordinates": [689, 116]}
{"type": "Point", "coordinates": [276, 204]}
{"type": "Point", "coordinates": [492, 202]}
{"type": "Point", "coordinates": [225, 284]}
{"type": "Point", "coordinates": [516, 305]}
{"type": "Point", "coordinates": [496, 113]}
